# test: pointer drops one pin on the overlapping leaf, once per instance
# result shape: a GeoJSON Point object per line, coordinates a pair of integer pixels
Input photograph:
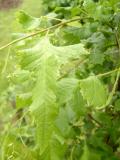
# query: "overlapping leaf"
{"type": "Point", "coordinates": [45, 61]}
{"type": "Point", "coordinates": [31, 57]}
{"type": "Point", "coordinates": [93, 91]}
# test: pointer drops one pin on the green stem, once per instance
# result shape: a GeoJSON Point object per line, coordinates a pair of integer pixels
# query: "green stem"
{"type": "Point", "coordinates": [107, 73]}
{"type": "Point", "coordinates": [6, 62]}
{"type": "Point", "coordinates": [114, 89]}
{"type": "Point", "coordinates": [118, 43]}
{"type": "Point", "coordinates": [39, 32]}
{"type": "Point", "coordinates": [110, 97]}
{"type": "Point", "coordinates": [72, 151]}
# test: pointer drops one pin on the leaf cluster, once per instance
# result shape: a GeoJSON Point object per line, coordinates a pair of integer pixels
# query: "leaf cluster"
{"type": "Point", "coordinates": [66, 84]}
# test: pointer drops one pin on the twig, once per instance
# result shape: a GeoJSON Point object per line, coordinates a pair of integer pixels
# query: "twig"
{"type": "Point", "coordinates": [112, 92]}
{"type": "Point", "coordinates": [93, 119]}
{"type": "Point", "coordinates": [6, 61]}
{"type": "Point", "coordinates": [114, 89]}
{"type": "Point", "coordinates": [72, 151]}
{"type": "Point", "coordinates": [82, 62]}
{"type": "Point", "coordinates": [48, 17]}
{"type": "Point", "coordinates": [117, 41]}
{"type": "Point", "coordinates": [41, 31]}
{"type": "Point", "coordinates": [107, 73]}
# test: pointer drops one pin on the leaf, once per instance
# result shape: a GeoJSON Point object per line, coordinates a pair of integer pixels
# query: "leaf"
{"type": "Point", "coordinates": [55, 151]}
{"type": "Point", "coordinates": [89, 154]}
{"type": "Point", "coordinates": [93, 91]}
{"type": "Point", "coordinates": [20, 76]}
{"type": "Point", "coordinates": [90, 7]}
{"type": "Point", "coordinates": [85, 155]}
{"type": "Point", "coordinates": [63, 120]}
{"type": "Point", "coordinates": [97, 58]}
{"type": "Point", "coordinates": [45, 117]}
{"type": "Point", "coordinates": [30, 58]}
{"type": "Point", "coordinates": [28, 22]}
{"type": "Point", "coordinates": [44, 102]}
{"type": "Point", "coordinates": [65, 89]}
{"type": "Point", "coordinates": [117, 104]}
{"type": "Point", "coordinates": [43, 93]}
{"type": "Point", "coordinates": [78, 103]}
{"type": "Point", "coordinates": [71, 52]}
{"type": "Point", "coordinates": [45, 61]}
{"type": "Point", "coordinates": [15, 149]}
{"type": "Point", "coordinates": [23, 100]}
{"type": "Point", "coordinates": [48, 81]}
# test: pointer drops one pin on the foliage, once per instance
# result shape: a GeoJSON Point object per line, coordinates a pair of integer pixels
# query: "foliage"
{"type": "Point", "coordinates": [63, 94]}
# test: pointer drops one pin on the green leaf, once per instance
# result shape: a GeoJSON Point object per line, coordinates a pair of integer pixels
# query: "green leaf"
{"type": "Point", "coordinates": [31, 58]}
{"type": "Point", "coordinates": [44, 102]}
{"type": "Point", "coordinates": [20, 76]}
{"type": "Point", "coordinates": [89, 154]}
{"type": "Point", "coordinates": [78, 103]}
{"type": "Point", "coordinates": [85, 155]}
{"type": "Point", "coordinates": [55, 151]}
{"type": "Point", "coordinates": [23, 100]}
{"type": "Point", "coordinates": [44, 90]}
{"type": "Point", "coordinates": [49, 84]}
{"type": "Point", "coordinates": [90, 7]}
{"type": "Point", "coordinates": [117, 105]}
{"type": "Point", "coordinates": [65, 89]}
{"type": "Point", "coordinates": [14, 148]}
{"type": "Point", "coordinates": [97, 58]}
{"type": "Point", "coordinates": [63, 120]}
{"type": "Point", "coordinates": [45, 60]}
{"type": "Point", "coordinates": [28, 22]}
{"type": "Point", "coordinates": [93, 91]}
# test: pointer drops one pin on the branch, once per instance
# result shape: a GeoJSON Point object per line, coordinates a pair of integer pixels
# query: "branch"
{"type": "Point", "coordinates": [93, 119]}
{"type": "Point", "coordinates": [110, 97]}
{"type": "Point", "coordinates": [79, 62]}
{"type": "Point", "coordinates": [6, 61]}
{"type": "Point", "coordinates": [114, 89]}
{"type": "Point", "coordinates": [107, 73]}
{"type": "Point", "coordinates": [117, 41]}
{"type": "Point", "coordinates": [41, 31]}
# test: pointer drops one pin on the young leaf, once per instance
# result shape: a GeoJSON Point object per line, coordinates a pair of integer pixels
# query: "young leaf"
{"type": "Point", "coordinates": [93, 91]}
{"type": "Point", "coordinates": [28, 22]}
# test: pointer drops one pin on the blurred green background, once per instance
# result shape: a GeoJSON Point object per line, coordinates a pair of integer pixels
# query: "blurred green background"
{"type": "Point", "coordinates": [8, 24]}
